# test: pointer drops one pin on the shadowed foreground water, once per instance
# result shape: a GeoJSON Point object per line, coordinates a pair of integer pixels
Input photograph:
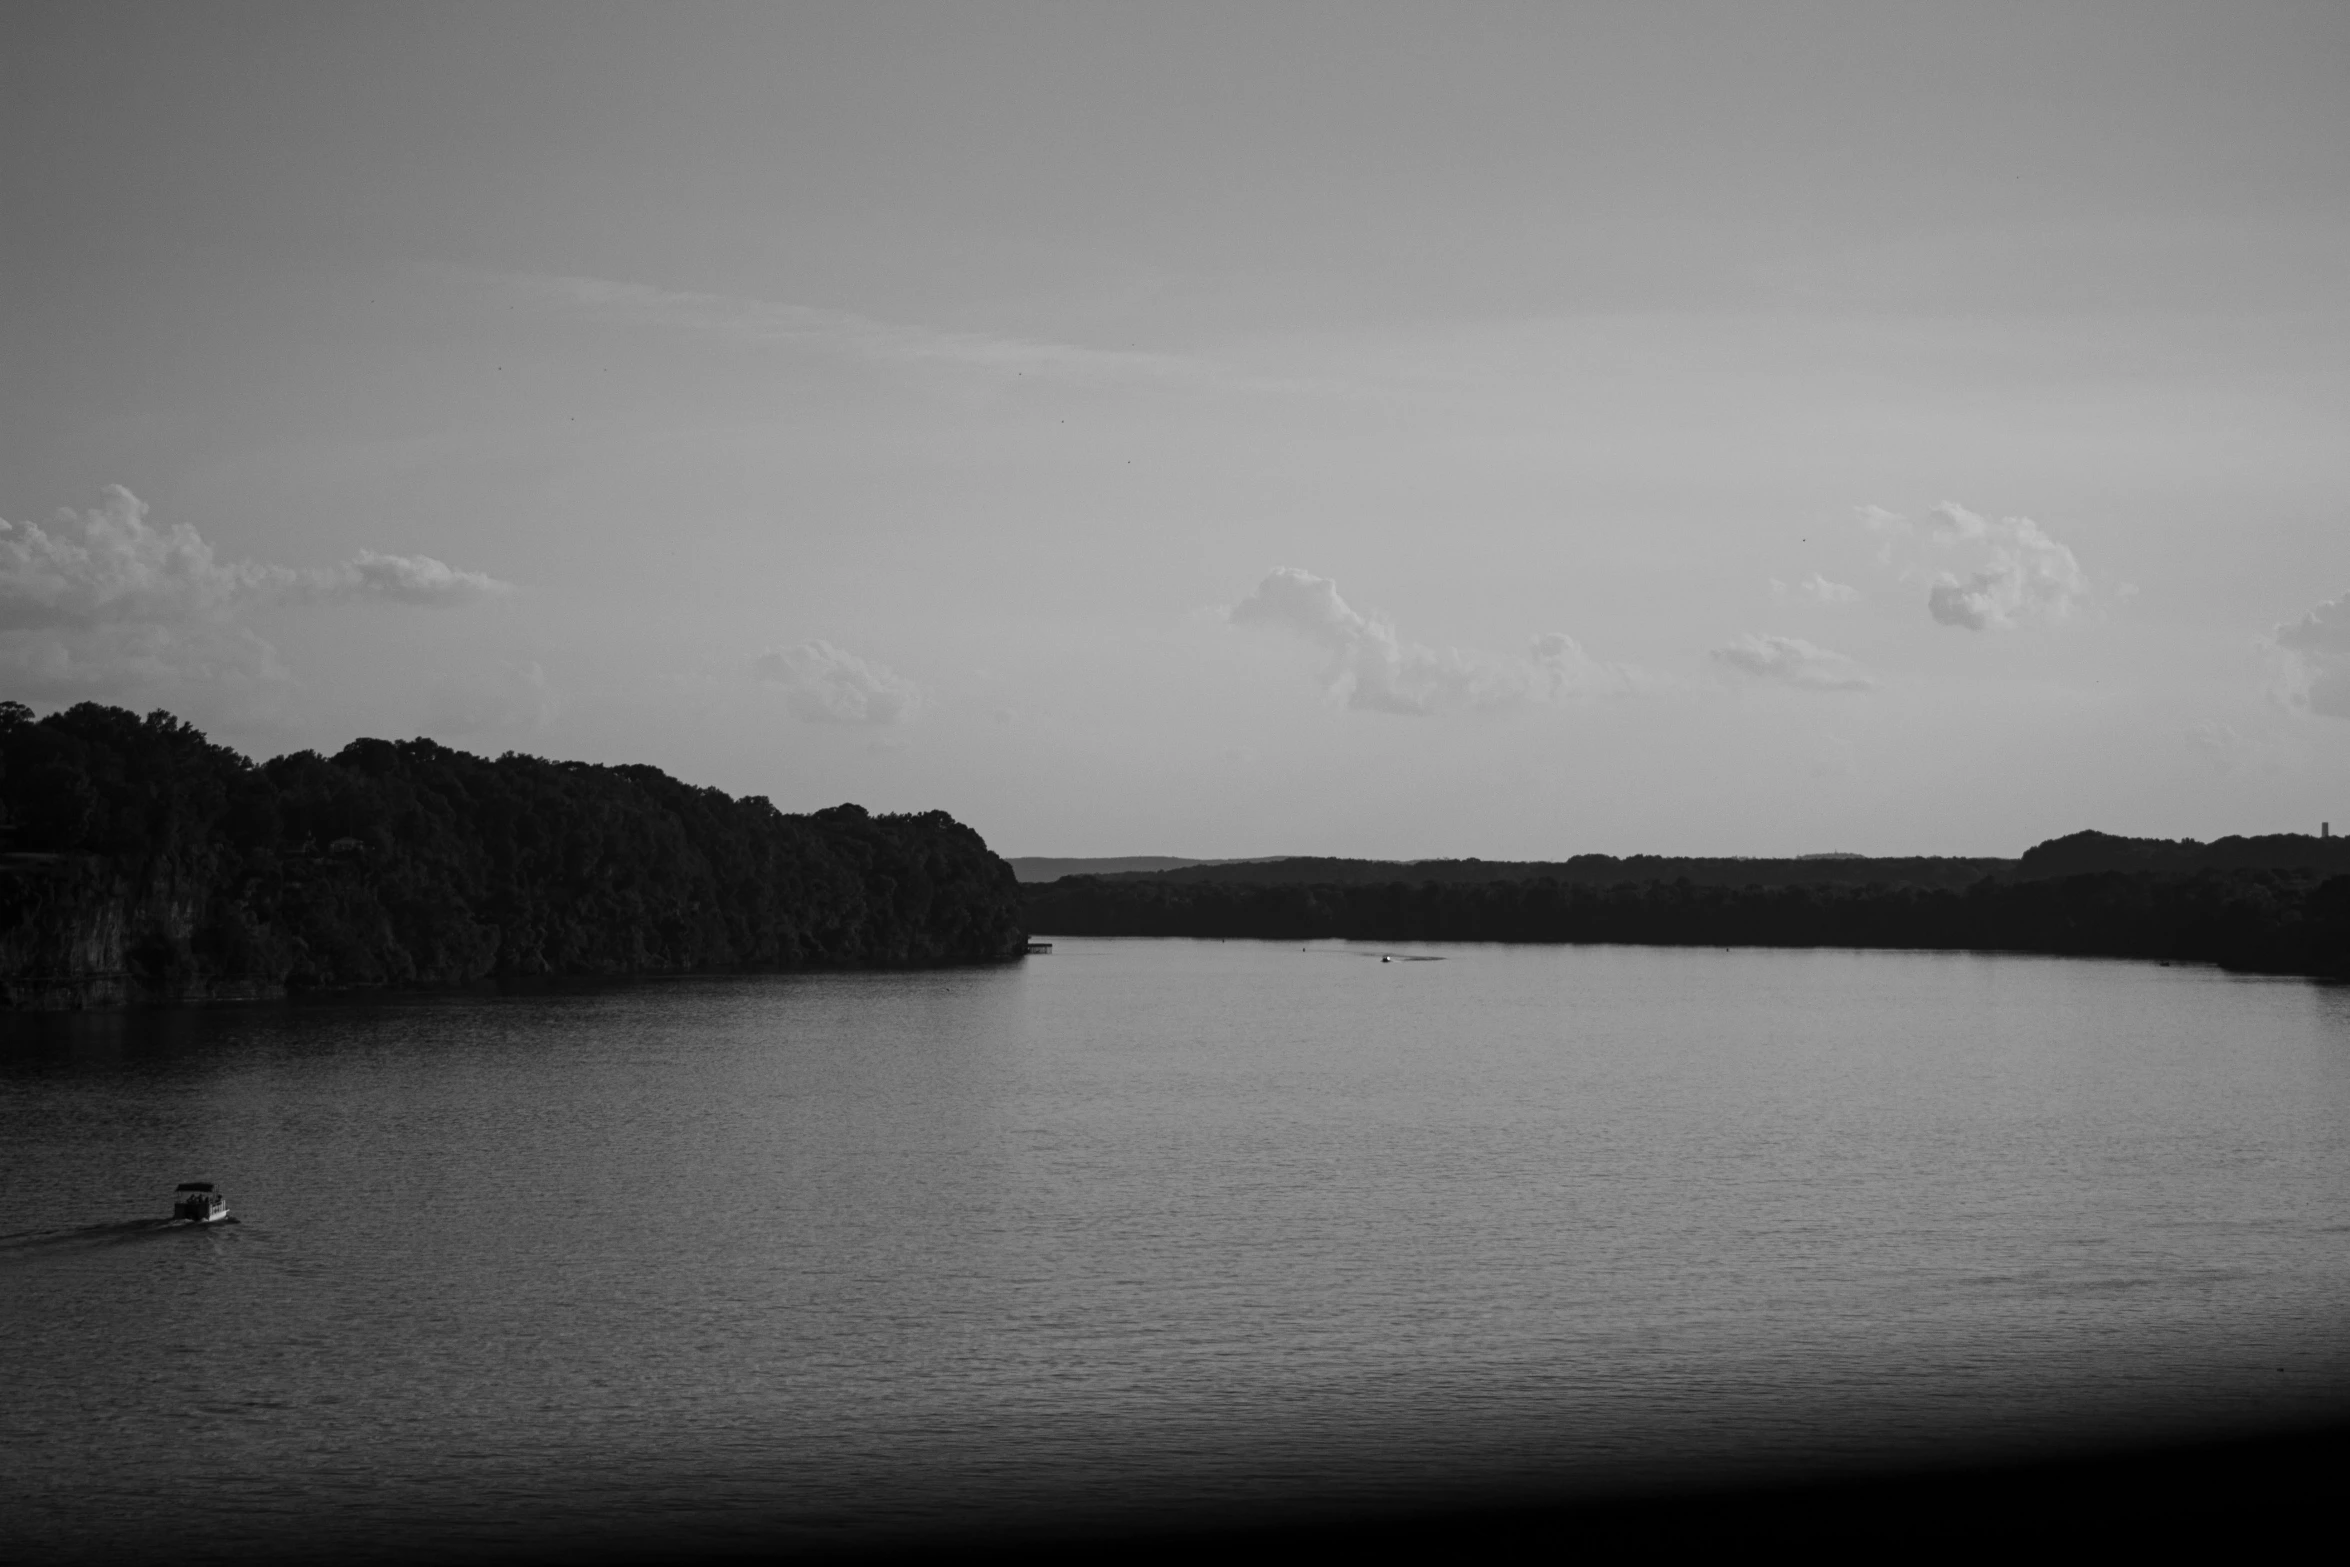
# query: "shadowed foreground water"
{"type": "Point", "coordinates": [1148, 1232]}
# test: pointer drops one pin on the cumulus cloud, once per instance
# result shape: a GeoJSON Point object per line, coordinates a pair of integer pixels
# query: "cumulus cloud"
{"type": "Point", "coordinates": [830, 685]}
{"type": "Point", "coordinates": [1374, 669]}
{"type": "Point", "coordinates": [1821, 589]}
{"type": "Point", "coordinates": [1890, 527]}
{"type": "Point", "coordinates": [2316, 651]}
{"type": "Point", "coordinates": [110, 564]}
{"type": "Point", "coordinates": [106, 605]}
{"type": "Point", "coordinates": [2026, 578]}
{"type": "Point", "coordinates": [1818, 589]}
{"type": "Point", "coordinates": [2030, 579]}
{"type": "Point", "coordinates": [389, 579]}
{"type": "Point", "coordinates": [1791, 661]}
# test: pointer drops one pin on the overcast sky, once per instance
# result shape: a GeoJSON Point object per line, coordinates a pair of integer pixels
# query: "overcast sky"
{"type": "Point", "coordinates": [1387, 430]}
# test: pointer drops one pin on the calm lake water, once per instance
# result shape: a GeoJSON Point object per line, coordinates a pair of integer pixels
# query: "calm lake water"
{"type": "Point", "coordinates": [1145, 1226]}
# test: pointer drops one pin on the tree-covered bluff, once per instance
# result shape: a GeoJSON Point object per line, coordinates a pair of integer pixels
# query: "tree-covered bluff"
{"type": "Point", "coordinates": [2274, 904]}
{"type": "Point", "coordinates": [143, 862]}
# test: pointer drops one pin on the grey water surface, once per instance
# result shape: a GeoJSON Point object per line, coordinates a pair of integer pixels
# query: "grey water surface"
{"type": "Point", "coordinates": [1151, 1228]}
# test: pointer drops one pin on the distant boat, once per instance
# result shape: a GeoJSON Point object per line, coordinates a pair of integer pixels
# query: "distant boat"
{"type": "Point", "coordinates": [1387, 957]}
{"type": "Point", "coordinates": [198, 1203]}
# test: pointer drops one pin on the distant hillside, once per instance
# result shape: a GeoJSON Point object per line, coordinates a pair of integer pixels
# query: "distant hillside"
{"type": "Point", "coordinates": [1585, 870]}
{"type": "Point", "coordinates": [1039, 867]}
{"type": "Point", "coordinates": [2079, 854]}
{"type": "Point", "coordinates": [2276, 904]}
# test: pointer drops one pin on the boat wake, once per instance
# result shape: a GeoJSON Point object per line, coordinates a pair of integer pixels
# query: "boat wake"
{"type": "Point", "coordinates": [20, 1245]}
{"type": "Point", "coordinates": [1383, 957]}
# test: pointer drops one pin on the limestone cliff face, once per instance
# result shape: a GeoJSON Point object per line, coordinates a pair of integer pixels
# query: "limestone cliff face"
{"type": "Point", "coordinates": [79, 930]}
{"type": "Point", "coordinates": [76, 932]}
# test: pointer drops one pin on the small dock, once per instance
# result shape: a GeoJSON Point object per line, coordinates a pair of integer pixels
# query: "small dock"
{"type": "Point", "coordinates": [1039, 946]}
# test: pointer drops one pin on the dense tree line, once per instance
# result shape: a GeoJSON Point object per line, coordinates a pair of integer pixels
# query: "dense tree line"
{"type": "Point", "coordinates": [2079, 854]}
{"type": "Point", "coordinates": [143, 860]}
{"type": "Point", "coordinates": [2278, 921]}
{"type": "Point", "coordinates": [2084, 852]}
{"type": "Point", "coordinates": [1597, 870]}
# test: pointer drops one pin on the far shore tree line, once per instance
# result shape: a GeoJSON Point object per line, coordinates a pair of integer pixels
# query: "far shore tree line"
{"type": "Point", "coordinates": [2278, 904]}
{"type": "Point", "coordinates": [140, 861]}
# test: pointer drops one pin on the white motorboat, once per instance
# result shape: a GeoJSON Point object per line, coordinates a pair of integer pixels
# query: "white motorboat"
{"type": "Point", "coordinates": [198, 1203]}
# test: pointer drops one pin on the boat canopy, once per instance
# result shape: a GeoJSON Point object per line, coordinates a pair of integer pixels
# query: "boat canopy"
{"type": "Point", "coordinates": [195, 1186]}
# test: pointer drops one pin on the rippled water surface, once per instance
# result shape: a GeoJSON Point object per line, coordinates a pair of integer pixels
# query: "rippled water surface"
{"type": "Point", "coordinates": [1144, 1226]}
